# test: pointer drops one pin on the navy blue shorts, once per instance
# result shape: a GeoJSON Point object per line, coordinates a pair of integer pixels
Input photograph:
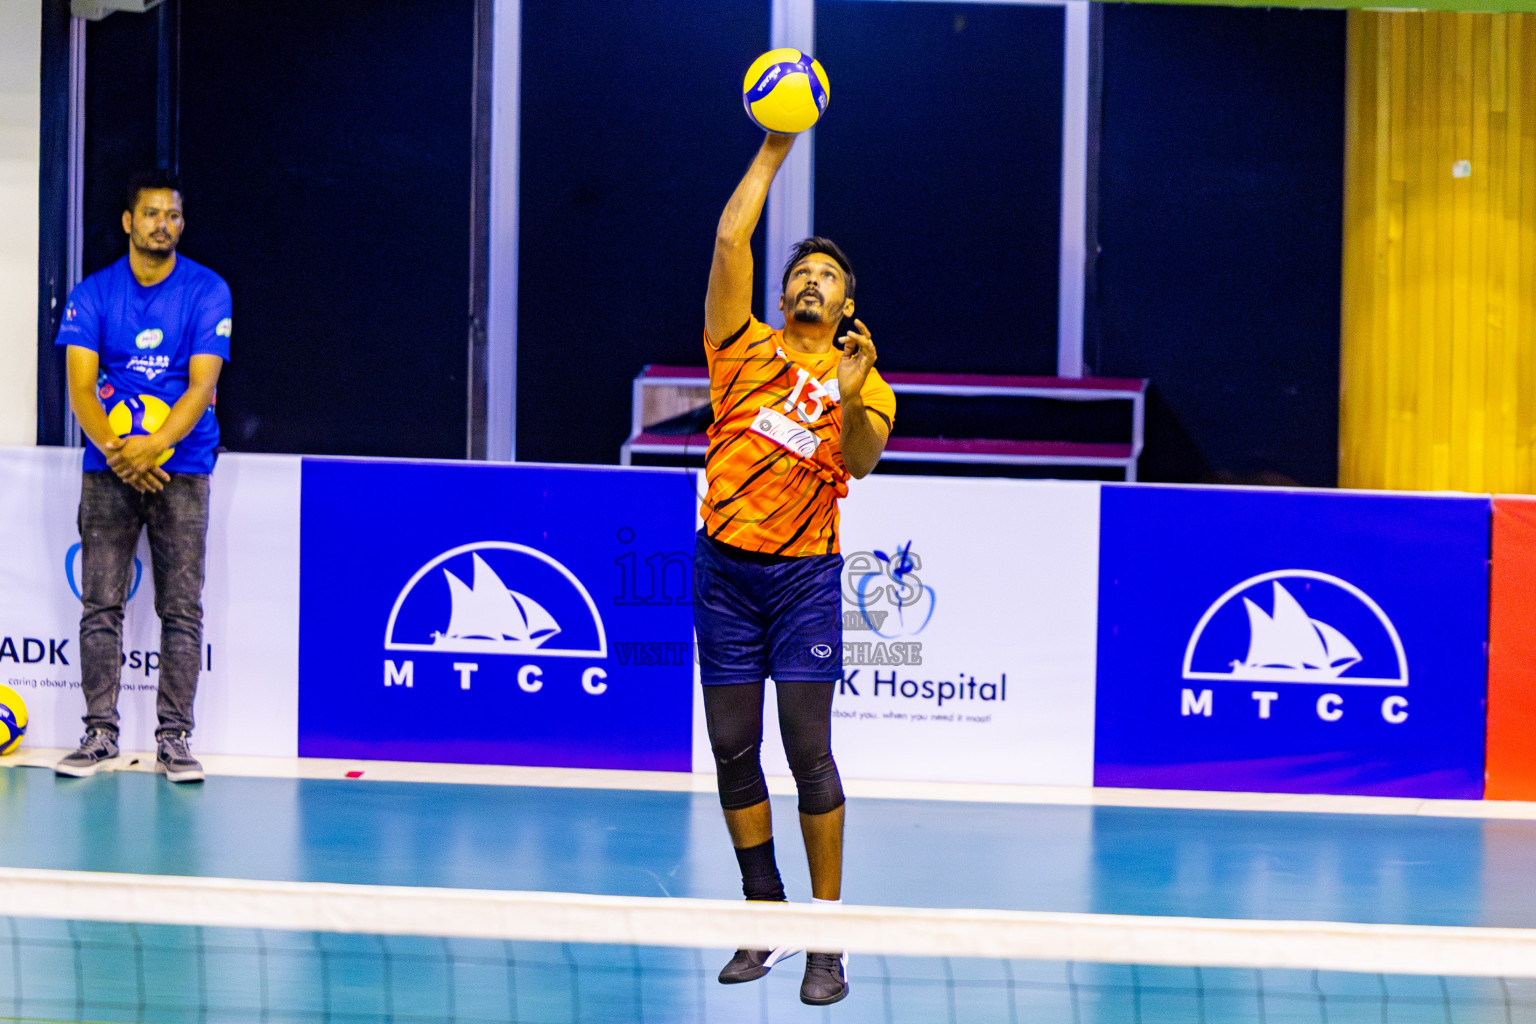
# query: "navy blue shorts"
{"type": "Point", "coordinates": [757, 616]}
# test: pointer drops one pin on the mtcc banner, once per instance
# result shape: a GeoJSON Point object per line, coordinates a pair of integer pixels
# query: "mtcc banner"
{"type": "Point", "coordinates": [1292, 641]}
{"type": "Point", "coordinates": [496, 615]}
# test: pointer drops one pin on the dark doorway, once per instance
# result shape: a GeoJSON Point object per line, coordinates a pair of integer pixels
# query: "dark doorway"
{"type": "Point", "coordinates": [326, 154]}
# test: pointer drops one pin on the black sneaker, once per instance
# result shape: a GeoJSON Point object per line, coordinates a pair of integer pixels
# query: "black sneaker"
{"type": "Point", "coordinates": [98, 748]}
{"type": "Point", "coordinates": [175, 762]}
{"type": "Point", "coordinates": [751, 964]}
{"type": "Point", "coordinates": [825, 982]}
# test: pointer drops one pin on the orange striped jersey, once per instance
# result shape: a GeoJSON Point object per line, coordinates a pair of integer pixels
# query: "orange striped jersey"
{"type": "Point", "coordinates": [774, 463]}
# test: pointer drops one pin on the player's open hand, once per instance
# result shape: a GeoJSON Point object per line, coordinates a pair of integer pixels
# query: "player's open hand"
{"type": "Point", "coordinates": [111, 450]}
{"type": "Point", "coordinates": [136, 463]}
{"type": "Point", "coordinates": [128, 477]}
{"type": "Point", "coordinates": [153, 480]}
{"type": "Point", "coordinates": [858, 357]}
{"type": "Point", "coordinates": [150, 482]}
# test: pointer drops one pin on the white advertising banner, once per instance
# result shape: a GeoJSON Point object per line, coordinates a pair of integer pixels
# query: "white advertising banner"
{"type": "Point", "coordinates": [247, 699]}
{"type": "Point", "coordinates": [969, 634]}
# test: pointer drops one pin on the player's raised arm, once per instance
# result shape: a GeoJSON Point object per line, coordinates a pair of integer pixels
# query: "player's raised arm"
{"type": "Point", "coordinates": [728, 303]}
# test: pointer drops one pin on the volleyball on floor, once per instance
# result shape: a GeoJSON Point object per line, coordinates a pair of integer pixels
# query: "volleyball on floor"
{"type": "Point", "coordinates": [785, 91]}
{"type": "Point", "coordinates": [13, 719]}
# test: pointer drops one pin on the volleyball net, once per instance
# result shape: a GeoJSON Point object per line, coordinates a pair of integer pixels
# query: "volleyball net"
{"type": "Point", "coordinates": [86, 946]}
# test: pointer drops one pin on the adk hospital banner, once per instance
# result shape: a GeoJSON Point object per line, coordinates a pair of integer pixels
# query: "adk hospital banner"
{"type": "Point", "coordinates": [247, 700]}
{"type": "Point", "coordinates": [968, 633]}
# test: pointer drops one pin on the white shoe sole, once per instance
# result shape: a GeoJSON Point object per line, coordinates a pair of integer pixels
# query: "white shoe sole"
{"type": "Point", "coordinates": [779, 955]}
{"type": "Point", "coordinates": [84, 771]}
{"type": "Point", "coordinates": [190, 775]}
{"type": "Point", "coordinates": [775, 956]}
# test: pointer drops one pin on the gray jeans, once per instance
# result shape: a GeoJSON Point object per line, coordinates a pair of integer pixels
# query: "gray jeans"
{"type": "Point", "coordinates": [111, 516]}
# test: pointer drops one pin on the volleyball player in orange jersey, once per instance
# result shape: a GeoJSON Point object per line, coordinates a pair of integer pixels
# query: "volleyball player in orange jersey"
{"type": "Point", "coordinates": [797, 412]}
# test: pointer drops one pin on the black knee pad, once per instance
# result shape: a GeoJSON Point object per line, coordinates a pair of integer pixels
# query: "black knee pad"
{"type": "Point", "coordinates": [740, 777]}
{"type": "Point", "coordinates": [734, 717]}
{"type": "Point", "coordinates": [818, 783]}
{"type": "Point", "coordinates": [805, 722]}
{"type": "Point", "coordinates": [816, 777]}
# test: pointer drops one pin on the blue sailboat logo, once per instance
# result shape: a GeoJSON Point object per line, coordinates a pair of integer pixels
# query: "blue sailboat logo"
{"type": "Point", "coordinates": [491, 618]}
{"type": "Point", "coordinates": [1287, 644]}
{"type": "Point", "coordinates": [485, 616]}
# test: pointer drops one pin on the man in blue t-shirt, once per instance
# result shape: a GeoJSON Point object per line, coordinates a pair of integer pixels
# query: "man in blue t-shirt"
{"type": "Point", "coordinates": [145, 339]}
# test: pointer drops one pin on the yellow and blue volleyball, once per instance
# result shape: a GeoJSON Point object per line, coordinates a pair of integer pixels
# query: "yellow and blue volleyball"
{"type": "Point", "coordinates": [140, 414]}
{"type": "Point", "coordinates": [13, 719]}
{"type": "Point", "coordinates": [785, 91]}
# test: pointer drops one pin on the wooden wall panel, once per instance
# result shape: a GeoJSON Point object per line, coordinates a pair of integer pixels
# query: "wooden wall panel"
{"type": "Point", "coordinates": [1438, 374]}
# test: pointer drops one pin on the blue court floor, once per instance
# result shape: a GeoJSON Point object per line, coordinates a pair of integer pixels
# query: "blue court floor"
{"type": "Point", "coordinates": [1410, 869]}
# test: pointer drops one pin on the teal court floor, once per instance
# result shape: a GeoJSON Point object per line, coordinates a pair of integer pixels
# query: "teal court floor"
{"type": "Point", "coordinates": [1260, 864]}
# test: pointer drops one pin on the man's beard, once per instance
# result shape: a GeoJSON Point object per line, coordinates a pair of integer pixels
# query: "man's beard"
{"type": "Point", "coordinates": [808, 314]}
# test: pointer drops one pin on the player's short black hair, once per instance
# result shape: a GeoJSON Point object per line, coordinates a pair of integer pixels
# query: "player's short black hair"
{"type": "Point", "coordinates": [141, 181]}
{"type": "Point", "coordinates": [825, 246]}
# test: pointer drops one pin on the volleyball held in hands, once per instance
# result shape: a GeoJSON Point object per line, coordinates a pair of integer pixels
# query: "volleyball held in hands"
{"type": "Point", "coordinates": [140, 414]}
{"type": "Point", "coordinates": [785, 91]}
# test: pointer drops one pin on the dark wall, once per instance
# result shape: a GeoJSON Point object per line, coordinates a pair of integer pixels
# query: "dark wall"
{"type": "Point", "coordinates": [938, 169]}
{"type": "Point", "coordinates": [1220, 206]}
{"type": "Point", "coordinates": [120, 136]}
{"type": "Point", "coordinates": [633, 136]}
{"type": "Point", "coordinates": [325, 150]}
{"type": "Point", "coordinates": [53, 220]}
{"type": "Point", "coordinates": [1219, 209]}
{"type": "Point", "coordinates": [949, 207]}
{"type": "Point", "coordinates": [327, 154]}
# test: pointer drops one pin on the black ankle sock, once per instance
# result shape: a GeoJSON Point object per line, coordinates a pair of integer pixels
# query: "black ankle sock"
{"type": "Point", "coordinates": [760, 873]}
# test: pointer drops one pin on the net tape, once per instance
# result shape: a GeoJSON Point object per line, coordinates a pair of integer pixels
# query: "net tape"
{"type": "Point", "coordinates": [1472, 952]}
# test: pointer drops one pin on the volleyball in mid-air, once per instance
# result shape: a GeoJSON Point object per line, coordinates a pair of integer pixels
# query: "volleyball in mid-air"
{"type": "Point", "coordinates": [785, 91]}
{"type": "Point", "coordinates": [140, 414]}
{"type": "Point", "coordinates": [13, 719]}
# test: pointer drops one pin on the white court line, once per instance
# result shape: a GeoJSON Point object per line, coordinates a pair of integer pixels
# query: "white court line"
{"type": "Point", "coordinates": [726, 924]}
{"type": "Point", "coordinates": [685, 782]}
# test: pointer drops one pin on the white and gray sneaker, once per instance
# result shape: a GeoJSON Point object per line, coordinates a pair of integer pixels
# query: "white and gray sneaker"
{"type": "Point", "coordinates": [175, 761]}
{"type": "Point", "coordinates": [751, 964]}
{"type": "Point", "coordinates": [98, 749]}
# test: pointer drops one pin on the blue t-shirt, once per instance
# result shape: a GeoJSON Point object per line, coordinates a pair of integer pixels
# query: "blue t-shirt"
{"type": "Point", "coordinates": [145, 339]}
